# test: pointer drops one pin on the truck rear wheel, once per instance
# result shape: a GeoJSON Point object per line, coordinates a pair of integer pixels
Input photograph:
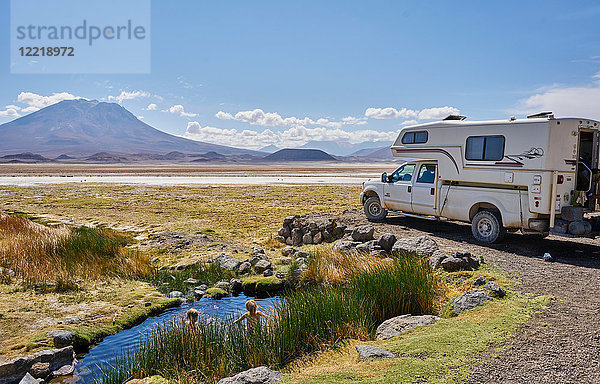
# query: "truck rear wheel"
{"type": "Point", "coordinates": [487, 227]}
{"type": "Point", "coordinates": [373, 209]}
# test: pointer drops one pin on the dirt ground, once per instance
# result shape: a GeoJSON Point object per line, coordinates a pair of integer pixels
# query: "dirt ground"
{"type": "Point", "coordinates": [560, 345]}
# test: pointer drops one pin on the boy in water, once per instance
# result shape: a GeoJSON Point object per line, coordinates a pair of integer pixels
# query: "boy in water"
{"type": "Point", "coordinates": [191, 316]}
{"type": "Point", "coordinates": [253, 315]}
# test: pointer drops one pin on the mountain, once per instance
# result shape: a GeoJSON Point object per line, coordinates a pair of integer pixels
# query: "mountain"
{"type": "Point", "coordinates": [269, 149]}
{"type": "Point", "coordinates": [87, 127]}
{"type": "Point", "coordinates": [339, 148]}
{"type": "Point", "coordinates": [296, 154]}
{"type": "Point", "coordinates": [368, 151]}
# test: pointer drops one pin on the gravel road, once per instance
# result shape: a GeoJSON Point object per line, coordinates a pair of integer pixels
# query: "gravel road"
{"type": "Point", "coordinates": [560, 345]}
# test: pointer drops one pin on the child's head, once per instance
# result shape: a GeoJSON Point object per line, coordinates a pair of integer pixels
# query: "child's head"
{"type": "Point", "coordinates": [192, 315]}
{"type": "Point", "coordinates": [251, 306]}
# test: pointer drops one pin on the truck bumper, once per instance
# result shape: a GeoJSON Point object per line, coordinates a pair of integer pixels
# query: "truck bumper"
{"type": "Point", "coordinates": [362, 194]}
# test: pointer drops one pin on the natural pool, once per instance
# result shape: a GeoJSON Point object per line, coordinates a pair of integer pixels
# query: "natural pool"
{"type": "Point", "coordinates": [107, 351]}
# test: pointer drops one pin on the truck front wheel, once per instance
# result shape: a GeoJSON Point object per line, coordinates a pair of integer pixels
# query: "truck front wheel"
{"type": "Point", "coordinates": [373, 209]}
{"type": "Point", "coordinates": [487, 227]}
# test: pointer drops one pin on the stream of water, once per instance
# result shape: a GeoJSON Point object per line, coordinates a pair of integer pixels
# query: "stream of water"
{"type": "Point", "coordinates": [107, 351]}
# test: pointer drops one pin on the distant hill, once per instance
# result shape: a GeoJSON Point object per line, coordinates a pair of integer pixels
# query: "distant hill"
{"type": "Point", "coordinates": [296, 154]}
{"type": "Point", "coordinates": [84, 128]}
{"type": "Point", "coordinates": [269, 149]}
{"type": "Point", "coordinates": [341, 148]}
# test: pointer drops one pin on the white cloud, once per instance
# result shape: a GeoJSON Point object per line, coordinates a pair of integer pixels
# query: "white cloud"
{"type": "Point", "coordinates": [179, 110]}
{"type": "Point", "coordinates": [565, 101]}
{"type": "Point", "coordinates": [409, 122]}
{"type": "Point", "coordinates": [151, 107]}
{"type": "Point", "coordinates": [15, 107]}
{"type": "Point", "coordinates": [9, 112]}
{"type": "Point", "coordinates": [424, 114]}
{"type": "Point", "coordinates": [350, 120]}
{"type": "Point", "coordinates": [292, 137]}
{"type": "Point", "coordinates": [29, 109]}
{"type": "Point", "coordinates": [36, 101]}
{"type": "Point", "coordinates": [274, 119]}
{"type": "Point", "coordinates": [128, 96]}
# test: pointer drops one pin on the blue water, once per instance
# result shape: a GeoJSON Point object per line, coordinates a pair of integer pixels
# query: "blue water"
{"type": "Point", "coordinates": [107, 351]}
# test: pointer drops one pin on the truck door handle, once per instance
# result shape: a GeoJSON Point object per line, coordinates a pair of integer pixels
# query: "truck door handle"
{"type": "Point", "coordinates": [409, 189]}
{"type": "Point", "coordinates": [432, 192]}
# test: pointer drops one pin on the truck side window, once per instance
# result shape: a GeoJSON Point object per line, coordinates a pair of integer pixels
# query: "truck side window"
{"type": "Point", "coordinates": [404, 173]}
{"type": "Point", "coordinates": [426, 174]}
{"type": "Point", "coordinates": [485, 148]}
{"type": "Point", "coordinates": [418, 137]}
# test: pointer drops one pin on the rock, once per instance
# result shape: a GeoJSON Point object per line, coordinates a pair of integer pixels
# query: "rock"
{"type": "Point", "coordinates": [236, 285]}
{"type": "Point", "coordinates": [61, 337]}
{"type": "Point", "coordinates": [422, 246]}
{"type": "Point", "coordinates": [379, 253]}
{"type": "Point", "coordinates": [301, 260]}
{"type": "Point", "coordinates": [327, 236]}
{"type": "Point", "coordinates": [369, 246]}
{"type": "Point", "coordinates": [345, 246]}
{"type": "Point", "coordinates": [289, 241]}
{"type": "Point", "coordinates": [12, 371]}
{"type": "Point", "coordinates": [260, 375]}
{"type": "Point", "coordinates": [64, 370]}
{"type": "Point", "coordinates": [198, 294]}
{"type": "Point", "coordinates": [216, 293]}
{"type": "Point", "coordinates": [397, 325]}
{"type": "Point", "coordinates": [40, 370]}
{"type": "Point", "coordinates": [436, 259]}
{"type": "Point", "coordinates": [452, 264]}
{"type": "Point", "coordinates": [227, 262]}
{"type": "Point", "coordinates": [147, 304]}
{"type": "Point", "coordinates": [479, 281]}
{"type": "Point", "coordinates": [258, 251]}
{"type": "Point", "coordinates": [371, 352]}
{"type": "Point", "coordinates": [281, 239]}
{"type": "Point", "coordinates": [469, 300]}
{"type": "Point", "coordinates": [287, 251]}
{"type": "Point", "coordinates": [296, 236]}
{"type": "Point", "coordinates": [495, 289]}
{"type": "Point", "coordinates": [28, 379]}
{"type": "Point", "coordinates": [202, 287]}
{"type": "Point", "coordinates": [318, 238]}
{"type": "Point", "coordinates": [363, 233]}
{"type": "Point", "coordinates": [302, 254]}
{"type": "Point", "coordinates": [175, 295]}
{"type": "Point", "coordinates": [386, 241]}
{"type": "Point", "coordinates": [244, 267]}
{"type": "Point", "coordinates": [255, 260]}
{"type": "Point", "coordinates": [222, 285]}
{"type": "Point", "coordinates": [284, 231]}
{"type": "Point", "coordinates": [262, 266]}
{"type": "Point", "coordinates": [289, 220]}
{"type": "Point", "coordinates": [191, 280]}
{"type": "Point", "coordinates": [286, 260]}
{"type": "Point", "coordinates": [156, 379]}
{"type": "Point", "coordinates": [268, 272]}
{"type": "Point", "coordinates": [280, 275]}
{"type": "Point", "coordinates": [307, 239]}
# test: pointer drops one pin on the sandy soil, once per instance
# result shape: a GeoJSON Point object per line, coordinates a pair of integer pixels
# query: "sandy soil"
{"type": "Point", "coordinates": [560, 345]}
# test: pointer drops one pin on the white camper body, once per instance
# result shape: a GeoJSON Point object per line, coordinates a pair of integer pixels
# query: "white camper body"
{"type": "Point", "coordinates": [519, 173]}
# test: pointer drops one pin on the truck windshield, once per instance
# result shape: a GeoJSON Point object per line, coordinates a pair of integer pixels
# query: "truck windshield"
{"type": "Point", "coordinates": [404, 173]}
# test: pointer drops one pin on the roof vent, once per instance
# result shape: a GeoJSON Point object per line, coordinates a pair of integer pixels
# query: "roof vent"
{"type": "Point", "coordinates": [456, 117]}
{"type": "Point", "coordinates": [541, 115]}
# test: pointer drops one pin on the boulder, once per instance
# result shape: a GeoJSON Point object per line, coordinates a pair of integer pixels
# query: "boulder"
{"type": "Point", "coordinates": [363, 233]}
{"type": "Point", "coordinates": [397, 325]}
{"type": "Point", "coordinates": [369, 246]}
{"type": "Point", "coordinates": [175, 295]}
{"type": "Point", "coordinates": [284, 232]}
{"type": "Point", "coordinates": [191, 280]}
{"type": "Point", "coordinates": [452, 264]}
{"type": "Point", "coordinates": [260, 375]}
{"type": "Point", "coordinates": [296, 236]}
{"type": "Point", "coordinates": [345, 246]}
{"type": "Point", "coordinates": [281, 239]}
{"type": "Point", "coordinates": [286, 260]}
{"type": "Point", "coordinates": [371, 352]}
{"type": "Point", "coordinates": [262, 266]}
{"type": "Point", "coordinates": [268, 272]}
{"type": "Point", "coordinates": [244, 267]}
{"type": "Point", "coordinates": [40, 370]}
{"type": "Point", "coordinates": [317, 238]}
{"type": "Point", "coordinates": [258, 251]}
{"type": "Point", "coordinates": [287, 251]}
{"type": "Point", "coordinates": [227, 262]}
{"type": "Point", "coordinates": [422, 246]}
{"type": "Point", "coordinates": [327, 236]}
{"type": "Point", "coordinates": [216, 293]}
{"type": "Point", "coordinates": [198, 293]}
{"type": "Point", "coordinates": [307, 239]}
{"type": "Point", "coordinates": [61, 337]}
{"type": "Point", "coordinates": [222, 285]}
{"type": "Point", "coordinates": [469, 300]}
{"type": "Point", "coordinates": [289, 220]}
{"type": "Point", "coordinates": [236, 285]}
{"type": "Point", "coordinates": [436, 259]}
{"type": "Point", "coordinates": [495, 289]}
{"type": "Point", "coordinates": [379, 253]}
{"type": "Point", "coordinates": [28, 379]}
{"type": "Point", "coordinates": [479, 281]}
{"type": "Point", "coordinates": [386, 241]}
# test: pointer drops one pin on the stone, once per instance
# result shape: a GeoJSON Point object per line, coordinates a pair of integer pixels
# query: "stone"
{"type": "Point", "coordinates": [255, 260]}
{"type": "Point", "coordinates": [301, 260]}
{"type": "Point", "coordinates": [479, 281]}
{"type": "Point", "coordinates": [327, 236]}
{"type": "Point", "coordinates": [61, 337]}
{"type": "Point", "coordinates": [64, 370]}
{"type": "Point", "coordinates": [236, 285]}
{"type": "Point", "coordinates": [257, 251]}
{"type": "Point", "coordinates": [371, 352]}
{"type": "Point", "coordinates": [147, 304]}
{"type": "Point", "coordinates": [469, 300]}
{"type": "Point", "coordinates": [318, 238]}
{"type": "Point", "coordinates": [379, 253]}
{"type": "Point", "coordinates": [40, 370]}
{"type": "Point", "coordinates": [227, 262]}
{"type": "Point", "coordinates": [244, 267]}
{"type": "Point", "coordinates": [363, 233]}
{"type": "Point", "coordinates": [281, 239]}
{"type": "Point", "coordinates": [262, 266]}
{"type": "Point", "coordinates": [386, 241]}
{"type": "Point", "coordinates": [259, 375]}
{"type": "Point", "coordinates": [495, 289]}
{"type": "Point", "coordinates": [307, 239]}
{"type": "Point", "coordinates": [397, 325]}
{"type": "Point", "coordinates": [436, 259]}
{"type": "Point", "coordinates": [345, 246]}
{"type": "Point", "coordinates": [296, 236]}
{"type": "Point", "coordinates": [422, 246]}
{"type": "Point", "coordinates": [175, 295]}
{"type": "Point", "coordinates": [280, 275]}
{"type": "Point", "coordinates": [198, 294]}
{"type": "Point", "coordinates": [286, 260]}
{"type": "Point", "coordinates": [289, 241]}
{"type": "Point", "coordinates": [224, 285]}
{"type": "Point", "coordinates": [284, 231]}
{"type": "Point", "coordinates": [369, 246]}
{"type": "Point", "coordinates": [191, 280]}
{"type": "Point", "coordinates": [287, 251]}
{"type": "Point", "coordinates": [268, 272]}
{"type": "Point", "coordinates": [202, 287]}
{"type": "Point", "coordinates": [28, 379]}
{"type": "Point", "coordinates": [302, 254]}
{"type": "Point", "coordinates": [289, 220]}
{"type": "Point", "coordinates": [452, 264]}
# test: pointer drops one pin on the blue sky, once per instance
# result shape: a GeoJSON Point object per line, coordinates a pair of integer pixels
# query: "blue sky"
{"type": "Point", "coordinates": [351, 71]}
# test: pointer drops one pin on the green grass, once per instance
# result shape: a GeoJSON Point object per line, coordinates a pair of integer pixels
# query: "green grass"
{"type": "Point", "coordinates": [304, 321]}
{"type": "Point", "coordinates": [173, 280]}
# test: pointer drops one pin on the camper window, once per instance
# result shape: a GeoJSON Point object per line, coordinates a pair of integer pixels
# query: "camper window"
{"type": "Point", "coordinates": [485, 148]}
{"type": "Point", "coordinates": [418, 137]}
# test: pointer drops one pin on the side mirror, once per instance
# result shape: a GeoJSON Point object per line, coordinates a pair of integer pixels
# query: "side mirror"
{"type": "Point", "coordinates": [384, 178]}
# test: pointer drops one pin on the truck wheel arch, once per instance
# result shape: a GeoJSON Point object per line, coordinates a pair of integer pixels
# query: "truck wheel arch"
{"type": "Point", "coordinates": [370, 193]}
{"type": "Point", "coordinates": [483, 206]}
